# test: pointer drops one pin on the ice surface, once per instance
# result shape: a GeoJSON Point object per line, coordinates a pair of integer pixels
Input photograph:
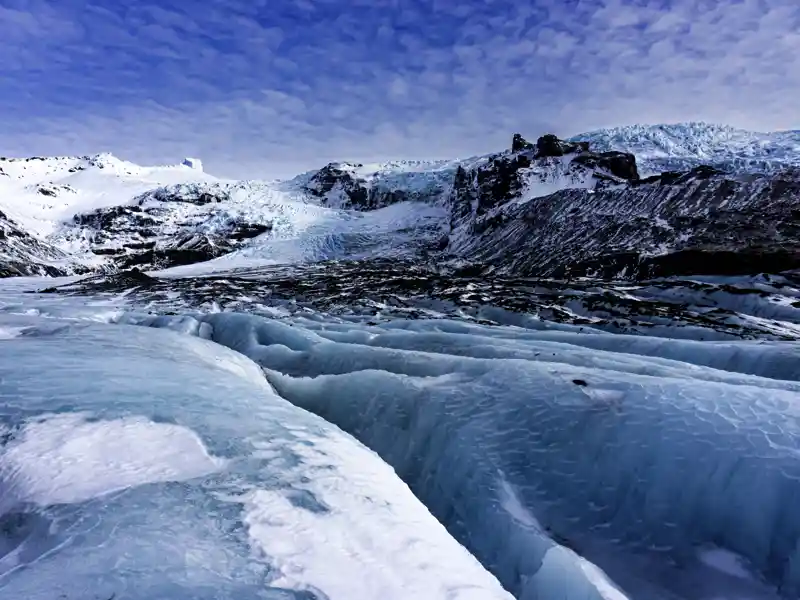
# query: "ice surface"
{"type": "Point", "coordinates": [573, 465]}
{"type": "Point", "coordinates": [309, 233]}
{"type": "Point", "coordinates": [138, 464]}
{"type": "Point", "coordinates": [532, 450]}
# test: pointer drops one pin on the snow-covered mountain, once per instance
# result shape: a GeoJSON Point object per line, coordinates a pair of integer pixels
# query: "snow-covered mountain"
{"type": "Point", "coordinates": [684, 146]}
{"type": "Point", "coordinates": [701, 222]}
{"type": "Point", "coordinates": [550, 208]}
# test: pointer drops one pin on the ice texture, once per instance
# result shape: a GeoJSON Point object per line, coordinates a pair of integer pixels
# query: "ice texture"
{"type": "Point", "coordinates": [541, 451]}
{"type": "Point", "coordinates": [680, 146]}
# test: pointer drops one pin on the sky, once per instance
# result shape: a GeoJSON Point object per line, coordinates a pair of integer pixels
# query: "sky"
{"type": "Point", "coordinates": [269, 88]}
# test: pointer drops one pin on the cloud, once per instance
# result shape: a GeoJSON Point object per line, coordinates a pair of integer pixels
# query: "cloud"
{"type": "Point", "coordinates": [259, 88]}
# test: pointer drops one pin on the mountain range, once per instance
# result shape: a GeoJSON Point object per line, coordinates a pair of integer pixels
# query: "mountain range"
{"type": "Point", "coordinates": [587, 211]}
{"type": "Point", "coordinates": [723, 202]}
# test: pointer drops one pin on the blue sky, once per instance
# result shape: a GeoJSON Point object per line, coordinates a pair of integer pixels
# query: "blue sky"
{"type": "Point", "coordinates": [265, 88]}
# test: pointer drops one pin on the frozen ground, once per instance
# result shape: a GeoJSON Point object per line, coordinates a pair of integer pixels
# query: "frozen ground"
{"type": "Point", "coordinates": [572, 465]}
{"type": "Point", "coordinates": [765, 308]}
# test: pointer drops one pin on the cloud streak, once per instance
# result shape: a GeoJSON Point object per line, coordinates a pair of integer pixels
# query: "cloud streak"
{"type": "Point", "coordinates": [269, 87]}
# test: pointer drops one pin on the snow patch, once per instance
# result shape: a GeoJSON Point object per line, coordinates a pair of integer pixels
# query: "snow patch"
{"type": "Point", "coordinates": [61, 459]}
{"type": "Point", "coordinates": [726, 562]}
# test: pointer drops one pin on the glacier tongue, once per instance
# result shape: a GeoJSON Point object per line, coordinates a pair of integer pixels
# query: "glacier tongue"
{"type": "Point", "coordinates": [539, 456]}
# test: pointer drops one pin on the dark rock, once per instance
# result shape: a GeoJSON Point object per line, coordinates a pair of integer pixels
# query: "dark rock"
{"type": "Point", "coordinates": [503, 177]}
{"type": "Point", "coordinates": [246, 231]}
{"type": "Point", "coordinates": [107, 251]}
{"type": "Point", "coordinates": [703, 172]}
{"type": "Point", "coordinates": [352, 192]}
{"type": "Point", "coordinates": [738, 261]}
{"type": "Point", "coordinates": [699, 222]}
{"type": "Point", "coordinates": [333, 176]}
{"type": "Point", "coordinates": [619, 164]}
{"type": "Point", "coordinates": [146, 234]}
{"type": "Point", "coordinates": [22, 254]}
{"type": "Point", "coordinates": [550, 145]}
{"type": "Point", "coordinates": [191, 194]}
{"type": "Point", "coordinates": [519, 143]}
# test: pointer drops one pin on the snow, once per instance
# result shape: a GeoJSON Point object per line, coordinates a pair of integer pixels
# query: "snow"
{"type": "Point", "coordinates": [415, 176]}
{"type": "Point", "coordinates": [151, 464]}
{"type": "Point", "coordinates": [679, 146]}
{"type": "Point", "coordinates": [725, 561]}
{"type": "Point", "coordinates": [301, 230]}
{"type": "Point", "coordinates": [83, 184]}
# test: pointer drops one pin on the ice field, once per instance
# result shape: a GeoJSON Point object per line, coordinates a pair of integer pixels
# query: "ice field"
{"type": "Point", "coordinates": [149, 456]}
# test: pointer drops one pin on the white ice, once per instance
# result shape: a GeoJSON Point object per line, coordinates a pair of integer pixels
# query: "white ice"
{"type": "Point", "coordinates": [573, 465]}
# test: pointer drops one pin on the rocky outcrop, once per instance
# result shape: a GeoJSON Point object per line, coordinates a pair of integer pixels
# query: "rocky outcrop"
{"type": "Point", "coordinates": [550, 145]}
{"type": "Point", "coordinates": [21, 254]}
{"type": "Point", "coordinates": [340, 185]}
{"type": "Point", "coordinates": [529, 170]}
{"type": "Point", "coordinates": [335, 183]}
{"type": "Point", "coordinates": [519, 143]}
{"type": "Point", "coordinates": [196, 194]}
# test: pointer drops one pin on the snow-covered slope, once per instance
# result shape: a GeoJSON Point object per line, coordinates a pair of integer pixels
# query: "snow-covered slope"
{"type": "Point", "coordinates": [22, 253]}
{"type": "Point", "coordinates": [683, 146]}
{"type": "Point", "coordinates": [103, 213]}
{"type": "Point", "coordinates": [40, 193]}
{"type": "Point", "coordinates": [371, 186]}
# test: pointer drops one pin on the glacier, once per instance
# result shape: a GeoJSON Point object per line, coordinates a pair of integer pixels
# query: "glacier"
{"type": "Point", "coordinates": [683, 146]}
{"type": "Point", "coordinates": [567, 463]}
{"type": "Point", "coordinates": [515, 442]}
